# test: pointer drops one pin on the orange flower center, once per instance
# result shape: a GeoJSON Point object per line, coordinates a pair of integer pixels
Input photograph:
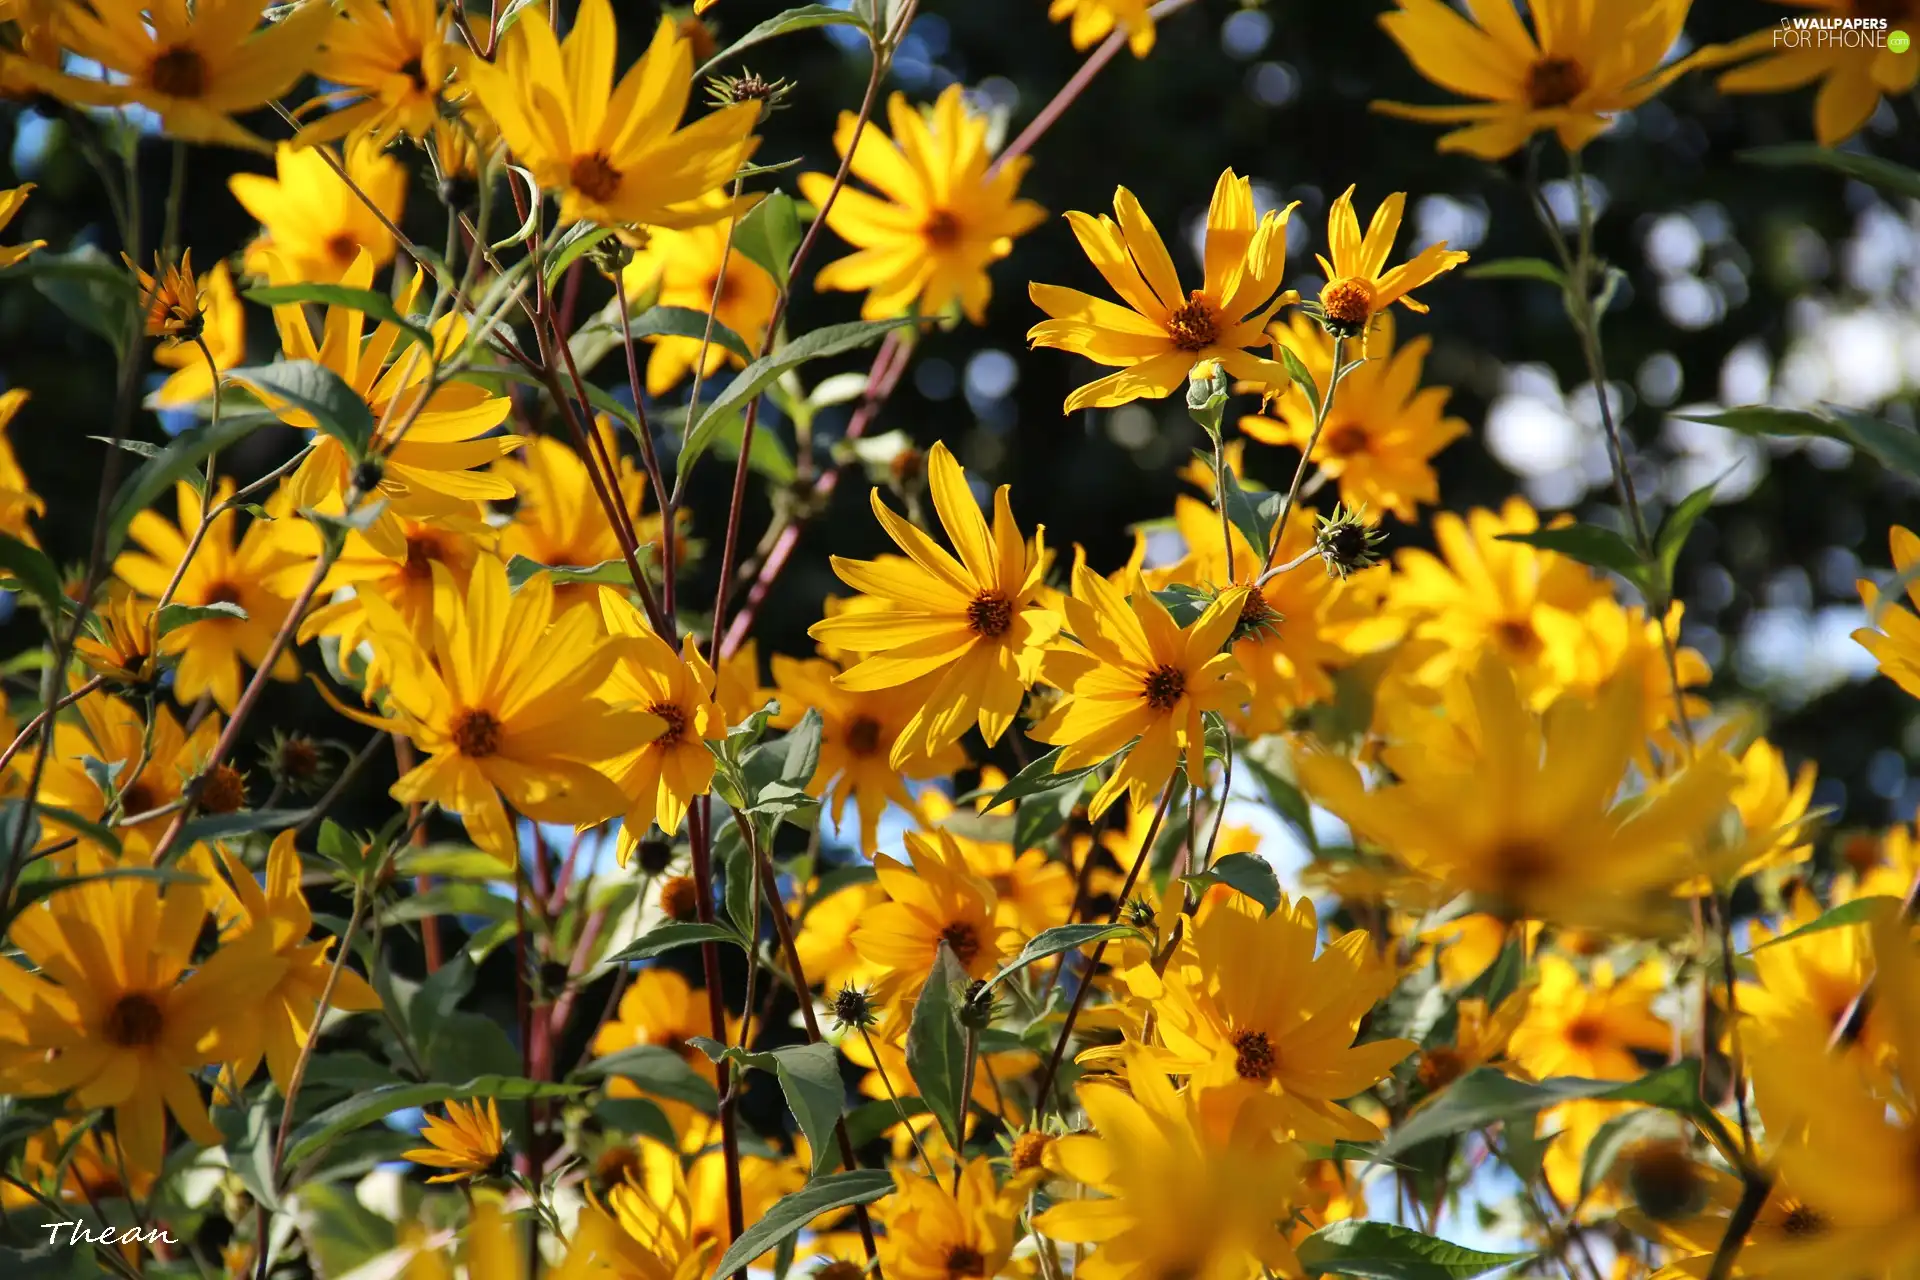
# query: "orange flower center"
{"type": "Point", "coordinates": [1253, 1055]}
{"type": "Point", "coordinates": [1441, 1067]}
{"type": "Point", "coordinates": [1802, 1221]}
{"type": "Point", "coordinates": [1346, 440]}
{"type": "Point", "coordinates": [1028, 1148]}
{"type": "Point", "coordinates": [342, 248]}
{"type": "Point", "coordinates": [138, 799]}
{"type": "Point", "coordinates": [223, 790]}
{"type": "Point", "coordinates": [476, 734]}
{"type": "Point", "coordinates": [863, 735]}
{"type": "Point", "coordinates": [1518, 865]}
{"type": "Point", "coordinates": [1164, 687]}
{"type": "Point", "coordinates": [680, 898]}
{"type": "Point", "coordinates": [135, 1021]}
{"type": "Point", "coordinates": [990, 614]}
{"type": "Point", "coordinates": [220, 593]}
{"type": "Point", "coordinates": [422, 551]}
{"type": "Point", "coordinates": [1554, 82]}
{"type": "Point", "coordinates": [1348, 303]}
{"type": "Point", "coordinates": [941, 230]}
{"type": "Point", "coordinates": [179, 72]}
{"type": "Point", "coordinates": [964, 940]}
{"type": "Point", "coordinates": [841, 1269]}
{"type": "Point", "coordinates": [676, 720]}
{"type": "Point", "coordinates": [1194, 325]}
{"type": "Point", "coordinates": [594, 177]}
{"type": "Point", "coordinates": [414, 71]}
{"type": "Point", "coordinates": [1584, 1032]}
{"type": "Point", "coordinates": [965, 1260]}
{"type": "Point", "coordinates": [1517, 636]}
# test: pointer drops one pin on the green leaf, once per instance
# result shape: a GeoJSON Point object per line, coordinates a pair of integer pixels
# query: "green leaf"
{"type": "Point", "coordinates": [790, 1214]}
{"type": "Point", "coordinates": [639, 1117]}
{"type": "Point", "coordinates": [29, 567]}
{"type": "Point", "coordinates": [320, 393]}
{"type": "Point", "coordinates": [89, 288]}
{"type": "Point", "coordinates": [1246, 873]}
{"type": "Point", "coordinates": [1302, 377]}
{"type": "Point", "coordinates": [675, 933]}
{"type": "Point", "coordinates": [612, 573]}
{"type": "Point", "coordinates": [1036, 818]}
{"type": "Point", "coordinates": [368, 302]}
{"type": "Point", "coordinates": [803, 749]}
{"type": "Point", "coordinates": [247, 1137]}
{"type": "Point", "coordinates": [565, 251]}
{"type": "Point", "coordinates": [769, 233]}
{"type": "Point", "coordinates": [1386, 1251]}
{"type": "Point", "coordinates": [341, 1234]}
{"type": "Point", "coordinates": [1885, 175]}
{"type": "Point", "coordinates": [1519, 269]}
{"type": "Point", "coordinates": [868, 1121]}
{"type": "Point", "coordinates": [182, 456]}
{"type": "Point", "coordinates": [175, 616]}
{"type": "Point", "coordinates": [1589, 544]}
{"type": "Point", "coordinates": [1858, 911]}
{"type": "Point", "coordinates": [360, 1111]}
{"type": "Point", "coordinates": [1890, 445]}
{"type": "Point", "coordinates": [218, 826]}
{"type": "Point", "coordinates": [937, 1045]}
{"type": "Point", "coordinates": [1051, 942]}
{"type": "Point", "coordinates": [1672, 536]}
{"type": "Point", "coordinates": [685, 322]}
{"type": "Point", "coordinates": [1485, 1096]}
{"type": "Point", "coordinates": [833, 340]}
{"type": "Point", "coordinates": [1614, 1138]}
{"type": "Point", "coordinates": [769, 456]}
{"type": "Point", "coordinates": [97, 832]}
{"type": "Point", "coordinates": [1037, 778]}
{"type": "Point", "coordinates": [803, 18]}
{"type": "Point", "coordinates": [809, 1076]}
{"type": "Point", "coordinates": [658, 1070]}
{"type": "Point", "coordinates": [1252, 516]}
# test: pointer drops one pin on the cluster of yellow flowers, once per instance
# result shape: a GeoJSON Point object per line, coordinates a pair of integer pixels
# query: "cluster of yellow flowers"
{"type": "Point", "coordinates": [1088, 1033]}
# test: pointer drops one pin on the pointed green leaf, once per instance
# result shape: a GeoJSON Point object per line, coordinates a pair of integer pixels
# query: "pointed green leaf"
{"type": "Point", "coordinates": [937, 1044]}
{"type": "Point", "coordinates": [1589, 544]}
{"type": "Point", "coordinates": [368, 302]}
{"type": "Point", "coordinates": [1051, 942]}
{"type": "Point", "coordinates": [1386, 1251]}
{"type": "Point", "coordinates": [1518, 269]}
{"type": "Point", "coordinates": [803, 18]}
{"type": "Point", "coordinates": [376, 1104]}
{"type": "Point", "coordinates": [1486, 1096]}
{"type": "Point", "coordinates": [1858, 911]}
{"type": "Point", "coordinates": [803, 749]}
{"type": "Point", "coordinates": [809, 1076]}
{"type": "Point", "coordinates": [672, 935]}
{"type": "Point", "coordinates": [1894, 179]}
{"type": "Point", "coordinates": [657, 1070]}
{"type": "Point", "coordinates": [1246, 873]}
{"type": "Point", "coordinates": [28, 567]}
{"type": "Point", "coordinates": [175, 616]}
{"type": "Point", "coordinates": [320, 393]}
{"type": "Point", "coordinates": [790, 1214]}
{"type": "Point", "coordinates": [1252, 514]}
{"type": "Point", "coordinates": [768, 234]}
{"type": "Point", "coordinates": [182, 455]}
{"type": "Point", "coordinates": [1672, 537]}
{"type": "Point", "coordinates": [1301, 375]}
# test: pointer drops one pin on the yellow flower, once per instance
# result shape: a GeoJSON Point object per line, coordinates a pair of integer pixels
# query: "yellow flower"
{"type": "Point", "coordinates": [123, 650]}
{"type": "Point", "coordinates": [391, 64]}
{"type": "Point", "coordinates": [976, 620]}
{"type": "Point", "coordinates": [1196, 1188]}
{"type": "Point", "coordinates": [1804, 986]}
{"type": "Point", "coordinates": [18, 502]}
{"type": "Point", "coordinates": [1584, 62]}
{"type": "Point", "coordinates": [315, 226]}
{"type": "Point", "coordinates": [859, 729]}
{"type": "Point", "coordinates": [1853, 77]}
{"type": "Point", "coordinates": [115, 733]}
{"type": "Point", "coordinates": [1137, 675]}
{"type": "Point", "coordinates": [1033, 892]}
{"type": "Point", "coordinates": [88, 1164]}
{"type": "Point", "coordinates": [119, 1013]}
{"type": "Point", "coordinates": [557, 516]}
{"type": "Point", "coordinates": [1893, 636]}
{"type": "Point", "coordinates": [945, 218]}
{"type": "Point", "coordinates": [1589, 1027]}
{"type": "Point", "coordinates": [602, 1248]}
{"type": "Point", "coordinates": [663, 1008]}
{"type": "Point", "coordinates": [661, 776]}
{"type": "Point", "coordinates": [936, 899]}
{"type": "Point", "coordinates": [467, 1143]}
{"type": "Point", "coordinates": [1479, 1037]}
{"type": "Point", "coordinates": [1788, 1237]}
{"type": "Point", "coordinates": [1238, 1014]}
{"type": "Point", "coordinates": [614, 153]}
{"type": "Point", "coordinates": [1846, 1150]}
{"type": "Point", "coordinates": [431, 453]}
{"type": "Point", "coordinates": [282, 1020]}
{"type": "Point", "coordinates": [197, 68]}
{"type": "Point", "coordinates": [223, 330]}
{"type": "Point", "coordinates": [1483, 594]}
{"type": "Point", "coordinates": [937, 1234]}
{"type": "Point", "coordinates": [501, 700]}
{"type": "Point", "coordinates": [1542, 829]}
{"type": "Point", "coordinates": [1359, 287]}
{"type": "Point", "coordinates": [1384, 428]}
{"type": "Point", "coordinates": [889, 1056]}
{"type": "Point", "coordinates": [10, 202]}
{"type": "Point", "coordinates": [684, 267]}
{"type": "Point", "coordinates": [1289, 635]}
{"type": "Point", "coordinates": [222, 572]}
{"type": "Point", "coordinates": [171, 296]}
{"type": "Point", "coordinates": [1094, 20]}
{"type": "Point", "coordinates": [1773, 814]}
{"type": "Point", "coordinates": [405, 581]}
{"type": "Point", "coordinates": [680, 1214]}
{"type": "Point", "coordinates": [825, 938]}
{"type": "Point", "coordinates": [1163, 331]}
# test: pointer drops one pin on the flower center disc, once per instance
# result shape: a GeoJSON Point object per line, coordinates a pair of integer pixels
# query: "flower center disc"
{"type": "Point", "coordinates": [676, 718]}
{"type": "Point", "coordinates": [476, 734]}
{"type": "Point", "coordinates": [594, 177]}
{"type": "Point", "coordinates": [1253, 1055]}
{"type": "Point", "coordinates": [180, 72]}
{"type": "Point", "coordinates": [1165, 686]}
{"type": "Point", "coordinates": [990, 614]}
{"type": "Point", "coordinates": [941, 229]}
{"type": "Point", "coordinates": [1554, 82]}
{"type": "Point", "coordinates": [863, 735]}
{"type": "Point", "coordinates": [963, 939]}
{"type": "Point", "coordinates": [135, 1020]}
{"type": "Point", "coordinates": [1348, 304]}
{"type": "Point", "coordinates": [1193, 325]}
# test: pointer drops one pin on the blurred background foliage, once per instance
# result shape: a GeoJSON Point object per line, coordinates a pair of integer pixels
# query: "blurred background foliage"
{"type": "Point", "coordinates": [1743, 284]}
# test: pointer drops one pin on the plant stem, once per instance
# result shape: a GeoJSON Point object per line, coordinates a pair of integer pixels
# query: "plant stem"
{"type": "Point", "coordinates": [1339, 371]}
